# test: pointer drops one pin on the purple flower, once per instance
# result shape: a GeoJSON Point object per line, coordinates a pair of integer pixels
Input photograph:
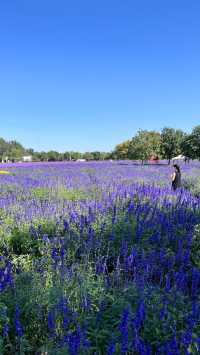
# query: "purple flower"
{"type": "Point", "coordinates": [51, 323]}
{"type": "Point", "coordinates": [17, 323]}
{"type": "Point", "coordinates": [123, 328]}
{"type": "Point", "coordinates": [5, 330]}
{"type": "Point", "coordinates": [110, 348]}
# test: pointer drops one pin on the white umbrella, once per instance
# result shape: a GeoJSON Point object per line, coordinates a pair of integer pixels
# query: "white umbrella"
{"type": "Point", "coordinates": [179, 157]}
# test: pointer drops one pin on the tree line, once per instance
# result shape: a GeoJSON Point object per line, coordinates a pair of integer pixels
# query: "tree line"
{"type": "Point", "coordinates": [165, 145]}
{"type": "Point", "coordinates": [69, 155]}
{"type": "Point", "coordinates": [142, 146]}
{"type": "Point", "coordinates": [11, 150]}
{"type": "Point", "coordinates": [14, 151]}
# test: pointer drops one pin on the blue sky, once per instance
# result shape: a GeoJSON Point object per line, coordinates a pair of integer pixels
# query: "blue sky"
{"type": "Point", "coordinates": [86, 75]}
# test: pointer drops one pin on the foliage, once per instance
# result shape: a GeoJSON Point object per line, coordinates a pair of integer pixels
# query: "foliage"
{"type": "Point", "coordinates": [61, 193]}
{"type": "Point", "coordinates": [195, 142]}
{"type": "Point", "coordinates": [192, 184]}
{"type": "Point", "coordinates": [122, 150]}
{"type": "Point", "coordinates": [171, 140]}
{"type": "Point", "coordinates": [11, 150]}
{"type": "Point", "coordinates": [188, 147]}
{"type": "Point", "coordinates": [144, 144]}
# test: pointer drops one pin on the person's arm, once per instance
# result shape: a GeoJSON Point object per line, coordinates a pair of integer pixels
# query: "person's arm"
{"type": "Point", "coordinates": [173, 176]}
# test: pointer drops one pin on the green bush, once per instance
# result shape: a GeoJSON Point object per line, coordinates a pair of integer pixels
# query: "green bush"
{"type": "Point", "coordinates": [72, 195]}
{"type": "Point", "coordinates": [192, 185]}
{"type": "Point", "coordinates": [59, 193]}
{"type": "Point", "coordinates": [40, 193]}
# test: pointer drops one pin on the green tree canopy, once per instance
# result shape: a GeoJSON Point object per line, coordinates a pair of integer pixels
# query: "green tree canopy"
{"type": "Point", "coordinates": [122, 150]}
{"type": "Point", "coordinates": [144, 144]}
{"type": "Point", "coordinates": [171, 141]}
{"type": "Point", "coordinates": [195, 142]}
{"type": "Point", "coordinates": [4, 147]}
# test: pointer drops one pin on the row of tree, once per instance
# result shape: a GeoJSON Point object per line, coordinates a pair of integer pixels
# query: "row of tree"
{"type": "Point", "coordinates": [11, 150]}
{"type": "Point", "coordinates": [71, 155]}
{"type": "Point", "coordinates": [14, 151]}
{"type": "Point", "coordinates": [167, 144]}
{"type": "Point", "coordinates": [144, 145]}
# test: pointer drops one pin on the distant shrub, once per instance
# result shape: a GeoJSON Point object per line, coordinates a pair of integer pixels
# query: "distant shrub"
{"type": "Point", "coordinates": [61, 193]}
{"type": "Point", "coordinates": [40, 193]}
{"type": "Point", "coordinates": [21, 242]}
{"type": "Point", "coordinates": [192, 184]}
{"type": "Point", "coordinates": [72, 195]}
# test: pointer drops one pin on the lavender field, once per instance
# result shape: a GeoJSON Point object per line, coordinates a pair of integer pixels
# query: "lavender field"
{"type": "Point", "coordinates": [99, 258]}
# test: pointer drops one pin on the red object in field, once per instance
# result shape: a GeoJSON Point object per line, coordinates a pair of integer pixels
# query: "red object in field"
{"type": "Point", "coordinates": [154, 159]}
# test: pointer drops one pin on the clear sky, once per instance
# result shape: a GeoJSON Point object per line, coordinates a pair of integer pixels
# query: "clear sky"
{"type": "Point", "coordinates": [87, 74]}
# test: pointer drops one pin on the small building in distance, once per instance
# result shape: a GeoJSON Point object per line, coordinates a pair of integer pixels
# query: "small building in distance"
{"type": "Point", "coordinates": [81, 160]}
{"type": "Point", "coordinates": [27, 158]}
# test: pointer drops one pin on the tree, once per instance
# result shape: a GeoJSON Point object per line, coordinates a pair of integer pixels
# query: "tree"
{"type": "Point", "coordinates": [15, 150]}
{"type": "Point", "coordinates": [52, 155]}
{"type": "Point", "coordinates": [66, 156]}
{"type": "Point", "coordinates": [195, 142]}
{"type": "Point", "coordinates": [42, 156]}
{"type": "Point", "coordinates": [30, 151]}
{"type": "Point", "coordinates": [105, 156]}
{"type": "Point", "coordinates": [171, 140]}
{"type": "Point", "coordinates": [121, 150]}
{"type": "Point", "coordinates": [75, 155]}
{"type": "Point", "coordinates": [96, 155]}
{"type": "Point", "coordinates": [144, 144]}
{"type": "Point", "coordinates": [188, 146]}
{"type": "Point", "coordinates": [88, 156]}
{"type": "Point", "coordinates": [3, 148]}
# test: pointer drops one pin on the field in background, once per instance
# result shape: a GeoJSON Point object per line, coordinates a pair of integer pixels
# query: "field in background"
{"type": "Point", "coordinates": [99, 258]}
